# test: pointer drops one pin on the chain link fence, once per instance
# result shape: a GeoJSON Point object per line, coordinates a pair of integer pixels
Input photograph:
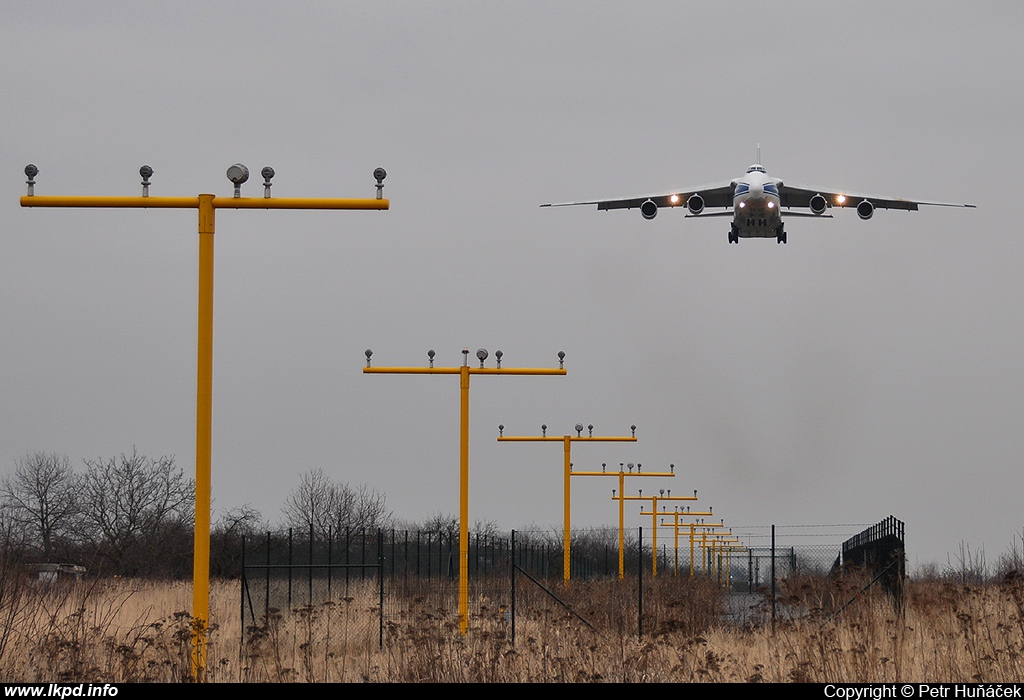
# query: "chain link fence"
{"type": "Point", "coordinates": [364, 586]}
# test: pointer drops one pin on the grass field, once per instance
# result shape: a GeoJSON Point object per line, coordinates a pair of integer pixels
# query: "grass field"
{"type": "Point", "coordinates": [125, 630]}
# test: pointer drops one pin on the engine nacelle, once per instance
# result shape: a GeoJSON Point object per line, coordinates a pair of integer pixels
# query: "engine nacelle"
{"type": "Point", "coordinates": [649, 209]}
{"type": "Point", "coordinates": [865, 209]}
{"type": "Point", "coordinates": [818, 204]}
{"type": "Point", "coordinates": [695, 203]}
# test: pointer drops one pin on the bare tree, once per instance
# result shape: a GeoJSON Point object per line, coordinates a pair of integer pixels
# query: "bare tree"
{"type": "Point", "coordinates": [39, 499]}
{"type": "Point", "coordinates": [227, 535]}
{"type": "Point", "coordinates": [138, 512]}
{"type": "Point", "coordinates": [325, 505]}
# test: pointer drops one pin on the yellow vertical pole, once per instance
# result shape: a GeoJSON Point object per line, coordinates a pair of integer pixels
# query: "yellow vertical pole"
{"type": "Point", "coordinates": [204, 412]}
{"type": "Point", "coordinates": [675, 529]}
{"type": "Point", "coordinates": [654, 537]}
{"type": "Point", "coordinates": [566, 560]}
{"type": "Point", "coordinates": [622, 524]}
{"type": "Point", "coordinates": [568, 473]}
{"type": "Point", "coordinates": [464, 500]}
{"type": "Point", "coordinates": [691, 550]}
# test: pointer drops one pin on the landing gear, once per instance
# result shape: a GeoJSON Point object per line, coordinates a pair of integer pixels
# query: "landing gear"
{"type": "Point", "coordinates": [734, 234]}
{"type": "Point", "coordinates": [780, 235]}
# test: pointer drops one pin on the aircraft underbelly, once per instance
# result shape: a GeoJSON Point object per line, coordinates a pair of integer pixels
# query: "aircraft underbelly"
{"type": "Point", "coordinates": [757, 222]}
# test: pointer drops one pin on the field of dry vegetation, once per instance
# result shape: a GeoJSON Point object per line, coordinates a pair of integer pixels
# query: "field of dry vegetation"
{"type": "Point", "coordinates": [129, 630]}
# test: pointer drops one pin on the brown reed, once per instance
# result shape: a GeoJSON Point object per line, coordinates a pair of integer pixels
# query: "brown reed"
{"type": "Point", "coordinates": [827, 630]}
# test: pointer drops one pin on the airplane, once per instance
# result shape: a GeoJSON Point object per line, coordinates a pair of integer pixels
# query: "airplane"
{"type": "Point", "coordinates": [755, 201]}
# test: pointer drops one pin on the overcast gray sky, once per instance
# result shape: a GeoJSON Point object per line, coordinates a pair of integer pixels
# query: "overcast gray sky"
{"type": "Point", "coordinates": [867, 368]}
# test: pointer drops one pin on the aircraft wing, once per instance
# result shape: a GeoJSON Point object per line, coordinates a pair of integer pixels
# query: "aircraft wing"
{"type": "Point", "coordinates": [800, 196]}
{"type": "Point", "coordinates": [715, 195]}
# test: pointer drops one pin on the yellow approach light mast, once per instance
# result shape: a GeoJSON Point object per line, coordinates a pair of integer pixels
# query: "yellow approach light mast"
{"type": "Point", "coordinates": [207, 205]}
{"type": "Point", "coordinates": [567, 441]}
{"type": "Point", "coordinates": [464, 372]}
{"type": "Point", "coordinates": [677, 513]}
{"type": "Point", "coordinates": [621, 474]}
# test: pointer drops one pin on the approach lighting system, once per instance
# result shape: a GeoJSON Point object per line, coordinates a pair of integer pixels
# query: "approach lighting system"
{"type": "Point", "coordinates": [567, 472]}
{"type": "Point", "coordinates": [207, 206]}
{"type": "Point", "coordinates": [464, 373]}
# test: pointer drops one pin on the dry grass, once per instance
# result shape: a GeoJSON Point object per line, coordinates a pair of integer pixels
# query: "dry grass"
{"type": "Point", "coordinates": [120, 630]}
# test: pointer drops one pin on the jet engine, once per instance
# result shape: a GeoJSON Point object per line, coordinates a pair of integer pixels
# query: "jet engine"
{"type": "Point", "coordinates": [818, 204]}
{"type": "Point", "coordinates": [649, 209]}
{"type": "Point", "coordinates": [865, 209]}
{"type": "Point", "coordinates": [695, 203]}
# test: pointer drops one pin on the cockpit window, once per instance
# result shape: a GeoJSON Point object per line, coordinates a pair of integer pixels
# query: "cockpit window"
{"type": "Point", "coordinates": [770, 188]}
{"type": "Point", "coordinates": [755, 169]}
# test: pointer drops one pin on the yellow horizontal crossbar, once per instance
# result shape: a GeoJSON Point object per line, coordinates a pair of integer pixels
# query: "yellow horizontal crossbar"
{"type": "Point", "coordinates": [561, 438]}
{"type": "Point", "coordinates": [193, 202]}
{"type": "Point", "coordinates": [112, 202]}
{"type": "Point", "coordinates": [458, 370]}
{"type": "Point", "coordinates": [624, 474]}
{"type": "Point", "coordinates": [298, 203]}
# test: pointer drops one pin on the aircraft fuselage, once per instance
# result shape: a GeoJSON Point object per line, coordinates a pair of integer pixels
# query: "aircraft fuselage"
{"type": "Point", "coordinates": [755, 202]}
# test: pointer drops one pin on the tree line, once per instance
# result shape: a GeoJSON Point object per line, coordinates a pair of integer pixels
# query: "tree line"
{"type": "Point", "coordinates": [133, 515]}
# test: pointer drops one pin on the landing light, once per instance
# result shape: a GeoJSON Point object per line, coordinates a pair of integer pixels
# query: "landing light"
{"type": "Point", "coordinates": [742, 204]}
{"type": "Point", "coordinates": [771, 205]}
{"type": "Point", "coordinates": [674, 199]}
{"type": "Point", "coordinates": [840, 199]}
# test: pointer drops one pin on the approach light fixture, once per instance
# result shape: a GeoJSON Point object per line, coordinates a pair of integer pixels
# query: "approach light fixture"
{"type": "Point", "coordinates": [481, 355]}
{"type": "Point", "coordinates": [268, 175]}
{"type": "Point", "coordinates": [31, 171]}
{"type": "Point", "coordinates": [146, 172]}
{"type": "Point", "coordinates": [238, 174]}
